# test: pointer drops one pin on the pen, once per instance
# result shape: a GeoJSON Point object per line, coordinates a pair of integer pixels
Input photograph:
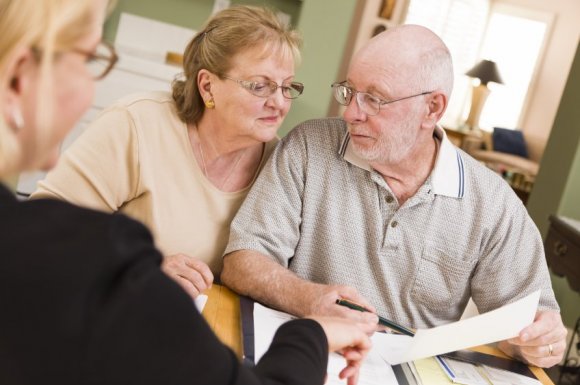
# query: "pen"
{"type": "Point", "coordinates": [383, 321]}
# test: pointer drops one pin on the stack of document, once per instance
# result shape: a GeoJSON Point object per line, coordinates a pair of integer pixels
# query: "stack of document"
{"type": "Point", "coordinates": [390, 350]}
{"type": "Point", "coordinates": [445, 371]}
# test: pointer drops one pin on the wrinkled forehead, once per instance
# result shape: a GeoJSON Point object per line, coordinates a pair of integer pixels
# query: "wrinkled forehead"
{"type": "Point", "coordinates": [381, 64]}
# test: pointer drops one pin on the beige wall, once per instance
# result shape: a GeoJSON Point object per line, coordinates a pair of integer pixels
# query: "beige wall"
{"type": "Point", "coordinates": [553, 70]}
{"type": "Point", "coordinates": [557, 185]}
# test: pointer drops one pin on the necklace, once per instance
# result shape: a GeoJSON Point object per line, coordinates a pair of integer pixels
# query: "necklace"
{"type": "Point", "coordinates": [226, 179]}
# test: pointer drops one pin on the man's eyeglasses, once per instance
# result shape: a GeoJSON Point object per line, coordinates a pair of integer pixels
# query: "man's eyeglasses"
{"type": "Point", "coordinates": [267, 88]}
{"type": "Point", "coordinates": [369, 104]}
{"type": "Point", "coordinates": [101, 61]}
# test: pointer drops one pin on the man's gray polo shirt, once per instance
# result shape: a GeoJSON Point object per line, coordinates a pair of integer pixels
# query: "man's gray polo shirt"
{"type": "Point", "coordinates": [321, 211]}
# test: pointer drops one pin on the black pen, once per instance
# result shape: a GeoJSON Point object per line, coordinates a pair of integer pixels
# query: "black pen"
{"type": "Point", "coordinates": [383, 321]}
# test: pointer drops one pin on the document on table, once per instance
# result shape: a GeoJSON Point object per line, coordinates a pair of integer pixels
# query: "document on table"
{"type": "Point", "coordinates": [374, 370]}
{"type": "Point", "coordinates": [431, 373]}
{"type": "Point", "coordinates": [200, 301]}
{"type": "Point", "coordinates": [496, 325]}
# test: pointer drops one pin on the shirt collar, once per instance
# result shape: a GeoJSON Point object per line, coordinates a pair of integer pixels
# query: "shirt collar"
{"type": "Point", "coordinates": [448, 175]}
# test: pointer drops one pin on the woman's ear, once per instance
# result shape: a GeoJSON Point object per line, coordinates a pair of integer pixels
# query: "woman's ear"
{"type": "Point", "coordinates": [16, 83]}
{"type": "Point", "coordinates": [204, 83]}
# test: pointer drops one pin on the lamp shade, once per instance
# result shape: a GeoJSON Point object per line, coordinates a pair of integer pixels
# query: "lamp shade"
{"type": "Point", "coordinates": [486, 71]}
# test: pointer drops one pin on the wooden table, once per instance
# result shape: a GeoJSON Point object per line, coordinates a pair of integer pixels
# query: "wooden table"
{"type": "Point", "coordinates": [222, 312]}
{"type": "Point", "coordinates": [456, 136]}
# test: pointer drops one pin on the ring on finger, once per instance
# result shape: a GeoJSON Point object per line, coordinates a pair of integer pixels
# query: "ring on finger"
{"type": "Point", "coordinates": [550, 350]}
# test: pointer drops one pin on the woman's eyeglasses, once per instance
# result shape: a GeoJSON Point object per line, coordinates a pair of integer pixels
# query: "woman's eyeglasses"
{"type": "Point", "coordinates": [267, 88]}
{"type": "Point", "coordinates": [101, 61]}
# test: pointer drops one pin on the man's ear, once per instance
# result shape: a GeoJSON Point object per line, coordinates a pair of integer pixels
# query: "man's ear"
{"type": "Point", "coordinates": [437, 105]}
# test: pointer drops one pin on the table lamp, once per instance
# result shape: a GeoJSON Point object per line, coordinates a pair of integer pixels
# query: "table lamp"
{"type": "Point", "coordinates": [486, 71]}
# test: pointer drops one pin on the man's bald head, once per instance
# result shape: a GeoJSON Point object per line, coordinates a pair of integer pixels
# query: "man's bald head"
{"type": "Point", "coordinates": [413, 55]}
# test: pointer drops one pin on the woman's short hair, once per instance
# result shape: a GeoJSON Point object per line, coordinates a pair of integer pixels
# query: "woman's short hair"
{"type": "Point", "coordinates": [226, 34]}
{"type": "Point", "coordinates": [46, 27]}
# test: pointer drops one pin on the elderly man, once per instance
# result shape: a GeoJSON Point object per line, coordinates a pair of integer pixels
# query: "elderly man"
{"type": "Point", "coordinates": [380, 208]}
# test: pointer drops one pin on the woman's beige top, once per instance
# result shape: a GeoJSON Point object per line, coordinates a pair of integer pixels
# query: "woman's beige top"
{"type": "Point", "coordinates": [136, 158]}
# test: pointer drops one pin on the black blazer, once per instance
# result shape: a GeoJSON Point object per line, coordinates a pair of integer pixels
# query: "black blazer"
{"type": "Point", "coordinates": [83, 301]}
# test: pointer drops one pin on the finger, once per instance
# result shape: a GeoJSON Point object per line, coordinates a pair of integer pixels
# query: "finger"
{"type": "Point", "coordinates": [544, 323]}
{"type": "Point", "coordinates": [352, 354]}
{"type": "Point", "coordinates": [194, 278]}
{"type": "Point", "coordinates": [187, 286]}
{"type": "Point", "coordinates": [353, 380]}
{"type": "Point", "coordinates": [555, 349]}
{"type": "Point", "coordinates": [369, 328]}
{"type": "Point", "coordinates": [351, 373]}
{"type": "Point", "coordinates": [351, 294]}
{"type": "Point", "coordinates": [370, 319]}
{"type": "Point", "coordinates": [551, 336]}
{"type": "Point", "coordinates": [544, 362]}
{"type": "Point", "coordinates": [203, 270]}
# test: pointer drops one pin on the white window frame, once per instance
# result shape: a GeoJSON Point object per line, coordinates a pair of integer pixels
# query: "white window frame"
{"type": "Point", "coordinates": [536, 15]}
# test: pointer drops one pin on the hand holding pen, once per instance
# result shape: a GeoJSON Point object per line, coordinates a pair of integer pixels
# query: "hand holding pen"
{"type": "Point", "coordinates": [382, 321]}
{"type": "Point", "coordinates": [320, 300]}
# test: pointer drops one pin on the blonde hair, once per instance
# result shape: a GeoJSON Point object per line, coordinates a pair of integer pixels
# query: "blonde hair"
{"type": "Point", "coordinates": [46, 27]}
{"type": "Point", "coordinates": [227, 33]}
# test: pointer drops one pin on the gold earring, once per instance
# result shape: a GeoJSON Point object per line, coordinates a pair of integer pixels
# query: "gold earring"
{"type": "Point", "coordinates": [210, 104]}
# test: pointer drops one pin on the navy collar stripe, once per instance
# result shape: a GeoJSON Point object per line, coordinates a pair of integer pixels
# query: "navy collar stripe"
{"type": "Point", "coordinates": [461, 175]}
{"type": "Point", "coordinates": [344, 145]}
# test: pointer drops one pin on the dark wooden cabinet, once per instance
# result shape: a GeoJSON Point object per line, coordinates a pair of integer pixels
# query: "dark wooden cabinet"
{"type": "Point", "coordinates": [563, 249]}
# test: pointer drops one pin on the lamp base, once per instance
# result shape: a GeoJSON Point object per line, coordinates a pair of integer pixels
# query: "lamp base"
{"type": "Point", "coordinates": [479, 95]}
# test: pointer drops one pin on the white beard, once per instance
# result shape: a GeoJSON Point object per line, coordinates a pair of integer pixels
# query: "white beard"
{"type": "Point", "coordinates": [389, 149]}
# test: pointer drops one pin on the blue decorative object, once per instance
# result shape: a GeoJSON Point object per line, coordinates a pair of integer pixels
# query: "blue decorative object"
{"type": "Point", "coordinates": [509, 141]}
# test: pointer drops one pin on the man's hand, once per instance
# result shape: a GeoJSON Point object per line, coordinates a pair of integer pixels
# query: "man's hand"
{"type": "Point", "coordinates": [191, 274]}
{"type": "Point", "coordinates": [542, 344]}
{"type": "Point", "coordinates": [323, 303]}
{"type": "Point", "coordinates": [349, 339]}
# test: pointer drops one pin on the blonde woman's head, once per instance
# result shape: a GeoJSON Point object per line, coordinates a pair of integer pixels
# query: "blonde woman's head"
{"type": "Point", "coordinates": [44, 81]}
{"type": "Point", "coordinates": [230, 32]}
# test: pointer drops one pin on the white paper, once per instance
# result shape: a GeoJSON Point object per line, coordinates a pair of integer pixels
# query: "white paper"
{"type": "Point", "coordinates": [374, 370]}
{"type": "Point", "coordinates": [496, 325]}
{"type": "Point", "coordinates": [200, 302]}
{"type": "Point", "coordinates": [266, 322]}
{"type": "Point", "coordinates": [463, 372]}
{"type": "Point", "coordinates": [503, 377]}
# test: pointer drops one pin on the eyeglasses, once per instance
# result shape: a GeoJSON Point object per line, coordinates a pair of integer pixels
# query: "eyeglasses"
{"type": "Point", "coordinates": [101, 61]}
{"type": "Point", "coordinates": [369, 104]}
{"type": "Point", "coordinates": [267, 88]}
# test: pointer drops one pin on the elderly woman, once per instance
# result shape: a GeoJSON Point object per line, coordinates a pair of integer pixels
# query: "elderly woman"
{"type": "Point", "coordinates": [183, 163]}
{"type": "Point", "coordinates": [83, 299]}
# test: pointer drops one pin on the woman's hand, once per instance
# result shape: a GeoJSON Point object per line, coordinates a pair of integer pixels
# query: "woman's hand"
{"type": "Point", "coordinates": [191, 274]}
{"type": "Point", "coordinates": [349, 339]}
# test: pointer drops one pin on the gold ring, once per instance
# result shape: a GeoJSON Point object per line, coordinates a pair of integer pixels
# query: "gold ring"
{"type": "Point", "coordinates": [550, 349]}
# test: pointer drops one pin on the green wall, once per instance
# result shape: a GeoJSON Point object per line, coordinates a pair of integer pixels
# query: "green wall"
{"type": "Point", "coordinates": [324, 25]}
{"type": "Point", "coordinates": [186, 13]}
{"type": "Point", "coordinates": [557, 187]}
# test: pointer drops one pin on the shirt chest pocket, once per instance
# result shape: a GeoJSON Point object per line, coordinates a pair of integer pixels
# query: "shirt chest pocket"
{"type": "Point", "coordinates": [442, 283]}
